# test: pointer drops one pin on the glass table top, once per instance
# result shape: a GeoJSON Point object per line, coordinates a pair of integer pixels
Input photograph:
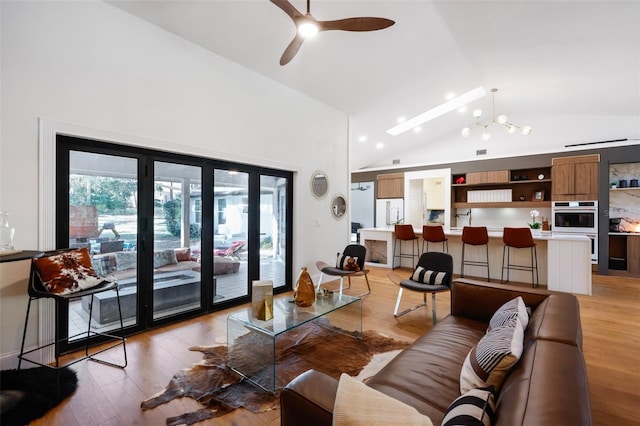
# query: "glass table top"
{"type": "Point", "coordinates": [286, 315]}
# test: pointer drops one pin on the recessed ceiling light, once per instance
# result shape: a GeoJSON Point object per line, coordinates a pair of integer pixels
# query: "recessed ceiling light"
{"type": "Point", "coordinates": [438, 111]}
{"type": "Point", "coordinates": [417, 129]}
{"type": "Point", "coordinates": [362, 139]}
{"type": "Point", "coordinates": [402, 119]}
{"type": "Point", "coordinates": [462, 109]}
{"type": "Point", "coordinates": [379, 145]}
{"type": "Point", "coordinates": [450, 96]}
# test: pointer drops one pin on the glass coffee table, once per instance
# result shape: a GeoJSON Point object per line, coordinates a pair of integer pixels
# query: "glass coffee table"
{"type": "Point", "coordinates": [251, 343]}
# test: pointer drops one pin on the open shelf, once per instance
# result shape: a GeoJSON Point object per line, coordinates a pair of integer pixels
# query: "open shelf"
{"type": "Point", "coordinates": [511, 204]}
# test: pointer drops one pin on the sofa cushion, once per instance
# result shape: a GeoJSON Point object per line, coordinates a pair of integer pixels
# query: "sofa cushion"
{"type": "Point", "coordinates": [490, 360]}
{"type": "Point", "coordinates": [358, 404]}
{"type": "Point", "coordinates": [67, 272]}
{"type": "Point", "coordinates": [426, 375]}
{"type": "Point", "coordinates": [183, 254]}
{"type": "Point", "coordinates": [476, 407]}
{"type": "Point", "coordinates": [514, 308]}
{"type": "Point", "coordinates": [164, 257]}
{"type": "Point", "coordinates": [126, 260]}
{"type": "Point", "coordinates": [547, 387]}
{"type": "Point", "coordinates": [557, 319]}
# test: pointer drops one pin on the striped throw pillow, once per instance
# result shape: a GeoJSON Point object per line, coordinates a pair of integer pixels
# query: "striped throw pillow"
{"type": "Point", "coordinates": [489, 361]}
{"type": "Point", "coordinates": [476, 407]}
{"type": "Point", "coordinates": [427, 276]}
{"type": "Point", "coordinates": [514, 308]}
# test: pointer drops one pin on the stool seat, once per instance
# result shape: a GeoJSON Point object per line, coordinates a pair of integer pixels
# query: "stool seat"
{"type": "Point", "coordinates": [404, 233]}
{"type": "Point", "coordinates": [475, 236]}
{"type": "Point", "coordinates": [434, 234]}
{"type": "Point", "coordinates": [519, 238]}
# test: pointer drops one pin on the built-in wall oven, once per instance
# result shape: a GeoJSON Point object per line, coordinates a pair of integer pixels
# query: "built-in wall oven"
{"type": "Point", "coordinates": [577, 217]}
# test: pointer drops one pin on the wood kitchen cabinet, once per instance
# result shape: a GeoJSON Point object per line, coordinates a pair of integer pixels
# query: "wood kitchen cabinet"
{"type": "Point", "coordinates": [391, 185]}
{"type": "Point", "coordinates": [493, 176]}
{"type": "Point", "coordinates": [523, 183]}
{"type": "Point", "coordinates": [575, 178]}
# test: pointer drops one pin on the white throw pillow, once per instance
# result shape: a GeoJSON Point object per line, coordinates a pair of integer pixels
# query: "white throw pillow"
{"type": "Point", "coordinates": [357, 404]}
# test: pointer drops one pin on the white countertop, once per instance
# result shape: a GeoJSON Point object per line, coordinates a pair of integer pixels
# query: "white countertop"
{"type": "Point", "coordinates": [631, 234]}
{"type": "Point", "coordinates": [497, 233]}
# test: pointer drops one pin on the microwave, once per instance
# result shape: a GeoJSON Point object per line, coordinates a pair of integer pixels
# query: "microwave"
{"type": "Point", "coordinates": [579, 217]}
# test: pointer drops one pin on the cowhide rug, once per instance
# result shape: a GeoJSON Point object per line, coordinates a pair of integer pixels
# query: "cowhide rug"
{"type": "Point", "coordinates": [220, 390]}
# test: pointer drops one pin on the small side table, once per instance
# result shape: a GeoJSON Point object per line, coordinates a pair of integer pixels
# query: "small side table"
{"type": "Point", "coordinates": [21, 255]}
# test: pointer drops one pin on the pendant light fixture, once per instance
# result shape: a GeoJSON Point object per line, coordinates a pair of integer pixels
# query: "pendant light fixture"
{"type": "Point", "coordinates": [500, 119]}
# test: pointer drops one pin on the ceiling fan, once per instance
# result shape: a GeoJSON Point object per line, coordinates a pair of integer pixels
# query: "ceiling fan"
{"type": "Point", "coordinates": [308, 26]}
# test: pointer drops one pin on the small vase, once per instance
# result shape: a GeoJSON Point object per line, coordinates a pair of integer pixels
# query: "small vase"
{"type": "Point", "coordinates": [305, 293]}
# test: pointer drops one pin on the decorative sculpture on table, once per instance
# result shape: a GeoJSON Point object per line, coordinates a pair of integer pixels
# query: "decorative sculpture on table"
{"type": "Point", "coordinates": [305, 293]}
{"type": "Point", "coordinates": [262, 300]}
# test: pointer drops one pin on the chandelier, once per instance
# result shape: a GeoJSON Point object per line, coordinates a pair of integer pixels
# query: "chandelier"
{"type": "Point", "coordinates": [501, 120]}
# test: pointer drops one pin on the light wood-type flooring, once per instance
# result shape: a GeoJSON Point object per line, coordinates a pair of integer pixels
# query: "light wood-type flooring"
{"type": "Point", "coordinates": [110, 396]}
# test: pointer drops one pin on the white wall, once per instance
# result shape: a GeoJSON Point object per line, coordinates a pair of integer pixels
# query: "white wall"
{"type": "Point", "coordinates": [89, 64]}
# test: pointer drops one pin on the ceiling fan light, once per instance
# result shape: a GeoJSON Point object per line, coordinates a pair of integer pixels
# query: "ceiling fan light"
{"type": "Point", "coordinates": [526, 130]}
{"type": "Point", "coordinates": [511, 129]}
{"type": "Point", "coordinates": [502, 119]}
{"type": "Point", "coordinates": [307, 29]}
{"type": "Point", "coordinates": [486, 135]}
{"type": "Point", "coordinates": [466, 132]}
{"type": "Point", "coordinates": [477, 113]}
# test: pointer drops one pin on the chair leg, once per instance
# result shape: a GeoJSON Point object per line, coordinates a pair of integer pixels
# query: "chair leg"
{"type": "Point", "coordinates": [433, 308]}
{"type": "Point", "coordinates": [24, 333]}
{"type": "Point", "coordinates": [504, 253]}
{"type": "Point", "coordinates": [488, 272]}
{"type": "Point", "coordinates": [406, 311]}
{"type": "Point", "coordinates": [462, 262]}
{"type": "Point", "coordinates": [395, 310]}
{"type": "Point", "coordinates": [319, 282]}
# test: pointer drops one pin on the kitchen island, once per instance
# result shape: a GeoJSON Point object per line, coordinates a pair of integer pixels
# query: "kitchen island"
{"type": "Point", "coordinates": [564, 261]}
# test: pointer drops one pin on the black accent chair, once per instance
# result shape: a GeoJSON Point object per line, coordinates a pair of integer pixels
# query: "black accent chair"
{"type": "Point", "coordinates": [435, 262]}
{"type": "Point", "coordinates": [352, 250]}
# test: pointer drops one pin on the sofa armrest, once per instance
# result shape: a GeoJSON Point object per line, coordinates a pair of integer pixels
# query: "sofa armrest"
{"type": "Point", "coordinates": [308, 400]}
{"type": "Point", "coordinates": [479, 300]}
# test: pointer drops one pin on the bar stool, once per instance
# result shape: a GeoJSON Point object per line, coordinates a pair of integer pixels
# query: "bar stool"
{"type": "Point", "coordinates": [434, 234]}
{"type": "Point", "coordinates": [519, 238]}
{"type": "Point", "coordinates": [475, 236]}
{"type": "Point", "coordinates": [404, 233]}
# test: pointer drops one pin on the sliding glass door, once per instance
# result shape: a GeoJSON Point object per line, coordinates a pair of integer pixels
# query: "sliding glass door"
{"type": "Point", "coordinates": [103, 217]}
{"type": "Point", "coordinates": [230, 234]}
{"type": "Point", "coordinates": [180, 235]}
{"type": "Point", "coordinates": [177, 229]}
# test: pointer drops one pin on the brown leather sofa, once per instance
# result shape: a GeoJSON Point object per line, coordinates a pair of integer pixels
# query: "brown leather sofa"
{"type": "Point", "coordinates": [547, 386]}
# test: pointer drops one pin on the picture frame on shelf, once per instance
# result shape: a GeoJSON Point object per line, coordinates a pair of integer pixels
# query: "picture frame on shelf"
{"type": "Point", "coordinates": [537, 196]}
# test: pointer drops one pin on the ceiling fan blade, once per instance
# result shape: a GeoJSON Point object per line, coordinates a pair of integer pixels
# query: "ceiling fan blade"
{"type": "Point", "coordinates": [288, 9]}
{"type": "Point", "coordinates": [356, 24]}
{"type": "Point", "coordinates": [291, 50]}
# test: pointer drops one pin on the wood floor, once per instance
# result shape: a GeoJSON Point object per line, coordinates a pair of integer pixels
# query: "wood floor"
{"type": "Point", "coordinates": [109, 396]}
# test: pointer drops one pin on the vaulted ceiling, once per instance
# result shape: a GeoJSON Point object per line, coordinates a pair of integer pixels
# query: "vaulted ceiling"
{"type": "Point", "coordinates": [546, 57]}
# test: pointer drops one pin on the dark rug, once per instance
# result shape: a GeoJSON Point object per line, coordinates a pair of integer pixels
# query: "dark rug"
{"type": "Point", "coordinates": [220, 390]}
{"type": "Point", "coordinates": [28, 394]}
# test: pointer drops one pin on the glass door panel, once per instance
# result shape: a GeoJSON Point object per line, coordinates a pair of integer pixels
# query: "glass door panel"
{"type": "Point", "coordinates": [273, 225]}
{"type": "Point", "coordinates": [103, 217]}
{"type": "Point", "coordinates": [230, 228]}
{"type": "Point", "coordinates": [177, 224]}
